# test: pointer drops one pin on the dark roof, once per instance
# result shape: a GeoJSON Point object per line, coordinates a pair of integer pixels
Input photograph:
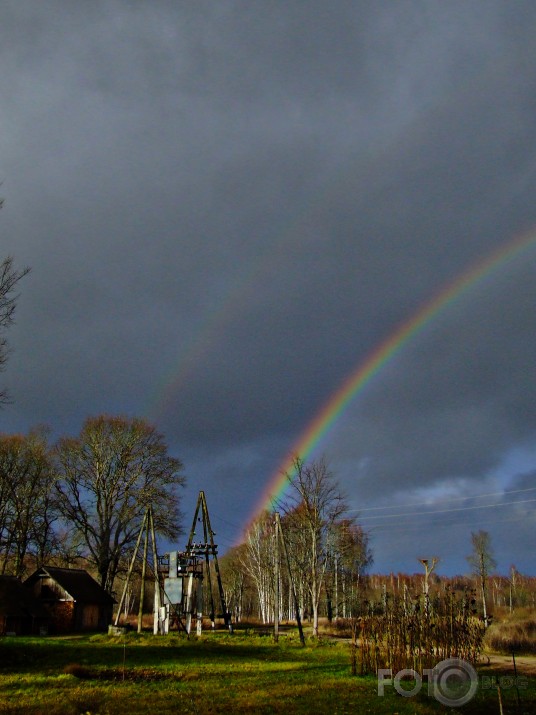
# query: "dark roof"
{"type": "Point", "coordinates": [18, 601]}
{"type": "Point", "coordinates": [77, 582]}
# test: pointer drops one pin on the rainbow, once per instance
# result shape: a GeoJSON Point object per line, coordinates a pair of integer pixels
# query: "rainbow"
{"type": "Point", "coordinates": [352, 386]}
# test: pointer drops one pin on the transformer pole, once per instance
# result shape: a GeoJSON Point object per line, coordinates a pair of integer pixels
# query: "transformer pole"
{"type": "Point", "coordinates": [130, 568]}
{"type": "Point", "coordinates": [276, 578]}
{"type": "Point", "coordinates": [157, 594]}
{"type": "Point", "coordinates": [143, 571]}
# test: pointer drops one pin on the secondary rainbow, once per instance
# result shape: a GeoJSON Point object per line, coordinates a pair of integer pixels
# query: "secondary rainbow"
{"type": "Point", "coordinates": [382, 354]}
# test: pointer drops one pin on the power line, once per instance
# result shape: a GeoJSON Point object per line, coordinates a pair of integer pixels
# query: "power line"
{"type": "Point", "coordinates": [427, 503]}
{"type": "Point", "coordinates": [407, 527]}
{"type": "Point", "coordinates": [446, 511]}
{"type": "Point", "coordinates": [226, 521]}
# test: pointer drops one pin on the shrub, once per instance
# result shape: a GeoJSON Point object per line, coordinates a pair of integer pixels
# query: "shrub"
{"type": "Point", "coordinates": [508, 637]}
{"type": "Point", "coordinates": [416, 633]}
{"type": "Point", "coordinates": [79, 671]}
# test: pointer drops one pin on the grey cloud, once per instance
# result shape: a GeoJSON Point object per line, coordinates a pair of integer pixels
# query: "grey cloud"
{"type": "Point", "coordinates": [228, 206]}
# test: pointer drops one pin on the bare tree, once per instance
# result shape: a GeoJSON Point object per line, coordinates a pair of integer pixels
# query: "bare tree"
{"type": "Point", "coordinates": [352, 556]}
{"type": "Point", "coordinates": [298, 539]}
{"type": "Point", "coordinates": [9, 277]}
{"type": "Point", "coordinates": [108, 476]}
{"type": "Point", "coordinates": [321, 505]}
{"type": "Point", "coordinates": [429, 566]}
{"type": "Point", "coordinates": [257, 560]}
{"type": "Point", "coordinates": [27, 507]}
{"type": "Point", "coordinates": [482, 563]}
{"type": "Point", "coordinates": [235, 579]}
{"type": "Point", "coordinates": [513, 583]}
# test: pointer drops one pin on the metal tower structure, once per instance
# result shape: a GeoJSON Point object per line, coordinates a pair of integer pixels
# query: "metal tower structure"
{"type": "Point", "coordinates": [184, 573]}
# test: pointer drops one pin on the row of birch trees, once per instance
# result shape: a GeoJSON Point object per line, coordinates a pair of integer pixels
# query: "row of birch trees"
{"type": "Point", "coordinates": [328, 552]}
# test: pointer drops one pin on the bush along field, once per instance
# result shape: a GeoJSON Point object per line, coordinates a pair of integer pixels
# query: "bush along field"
{"type": "Point", "coordinates": [218, 673]}
{"type": "Point", "coordinates": [513, 633]}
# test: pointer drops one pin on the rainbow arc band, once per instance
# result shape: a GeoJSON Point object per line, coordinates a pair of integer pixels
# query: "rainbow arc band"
{"type": "Point", "coordinates": [359, 378]}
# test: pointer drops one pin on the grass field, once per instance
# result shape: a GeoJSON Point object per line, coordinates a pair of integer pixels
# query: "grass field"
{"type": "Point", "coordinates": [217, 673]}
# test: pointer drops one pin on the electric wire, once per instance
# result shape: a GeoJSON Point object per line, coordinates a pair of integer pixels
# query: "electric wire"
{"type": "Point", "coordinates": [447, 511]}
{"type": "Point", "coordinates": [408, 527]}
{"type": "Point", "coordinates": [427, 503]}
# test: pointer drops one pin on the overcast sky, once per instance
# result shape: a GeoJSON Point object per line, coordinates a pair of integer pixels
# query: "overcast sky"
{"type": "Point", "coordinates": [228, 205]}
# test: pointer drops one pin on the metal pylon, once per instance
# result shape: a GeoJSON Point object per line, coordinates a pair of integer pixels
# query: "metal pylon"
{"type": "Point", "coordinates": [207, 548]}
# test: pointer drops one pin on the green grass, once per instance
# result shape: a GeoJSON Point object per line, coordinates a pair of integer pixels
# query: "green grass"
{"type": "Point", "coordinates": [217, 673]}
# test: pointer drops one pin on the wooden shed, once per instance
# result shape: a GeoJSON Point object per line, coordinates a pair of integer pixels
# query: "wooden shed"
{"type": "Point", "coordinates": [73, 599]}
{"type": "Point", "coordinates": [20, 613]}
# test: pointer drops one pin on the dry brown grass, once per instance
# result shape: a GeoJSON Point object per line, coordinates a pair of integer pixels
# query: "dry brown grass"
{"type": "Point", "coordinates": [516, 633]}
{"type": "Point", "coordinates": [415, 633]}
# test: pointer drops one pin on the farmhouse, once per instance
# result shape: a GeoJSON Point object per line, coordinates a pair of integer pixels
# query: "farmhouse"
{"type": "Point", "coordinates": [20, 613]}
{"type": "Point", "coordinates": [73, 599]}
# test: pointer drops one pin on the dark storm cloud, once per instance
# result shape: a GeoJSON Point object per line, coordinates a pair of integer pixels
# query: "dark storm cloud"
{"type": "Point", "coordinates": [227, 206]}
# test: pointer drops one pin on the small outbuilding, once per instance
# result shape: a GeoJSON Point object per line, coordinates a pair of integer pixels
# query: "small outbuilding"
{"type": "Point", "coordinates": [20, 613]}
{"type": "Point", "coordinates": [72, 598]}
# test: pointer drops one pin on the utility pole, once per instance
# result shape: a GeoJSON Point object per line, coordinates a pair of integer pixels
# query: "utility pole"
{"type": "Point", "coordinates": [130, 568]}
{"type": "Point", "coordinates": [157, 595]}
{"type": "Point", "coordinates": [207, 548]}
{"type": "Point", "coordinates": [147, 529]}
{"type": "Point", "coordinates": [276, 577]}
{"type": "Point", "coordinates": [336, 587]}
{"type": "Point", "coordinates": [143, 569]}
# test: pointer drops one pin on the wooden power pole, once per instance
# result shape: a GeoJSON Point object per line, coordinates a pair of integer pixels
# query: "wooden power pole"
{"type": "Point", "coordinates": [276, 580]}
{"type": "Point", "coordinates": [147, 529]}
